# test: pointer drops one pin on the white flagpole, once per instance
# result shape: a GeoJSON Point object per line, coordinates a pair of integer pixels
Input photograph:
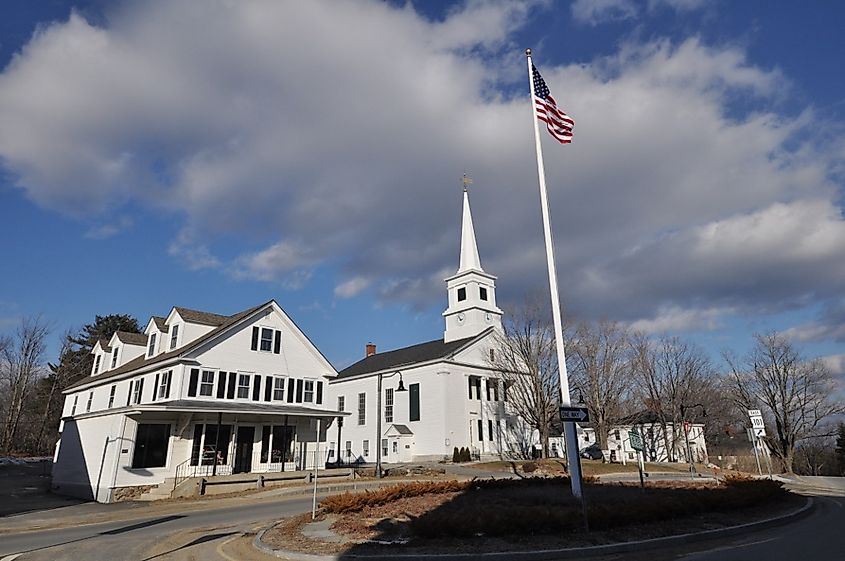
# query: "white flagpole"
{"type": "Point", "coordinates": [569, 431]}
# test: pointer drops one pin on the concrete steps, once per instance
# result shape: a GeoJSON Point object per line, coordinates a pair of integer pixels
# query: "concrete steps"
{"type": "Point", "coordinates": [161, 491]}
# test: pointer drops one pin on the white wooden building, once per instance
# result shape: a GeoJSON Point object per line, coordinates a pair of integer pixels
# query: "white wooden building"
{"type": "Point", "coordinates": [197, 393]}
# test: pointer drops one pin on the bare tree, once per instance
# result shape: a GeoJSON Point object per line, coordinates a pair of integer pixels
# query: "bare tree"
{"type": "Point", "coordinates": [794, 393]}
{"type": "Point", "coordinates": [599, 360]}
{"type": "Point", "coordinates": [524, 355]}
{"type": "Point", "coordinates": [21, 363]}
{"type": "Point", "coordinates": [672, 375]}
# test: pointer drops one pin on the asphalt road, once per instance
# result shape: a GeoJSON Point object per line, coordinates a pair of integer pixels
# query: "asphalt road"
{"type": "Point", "coordinates": [202, 535]}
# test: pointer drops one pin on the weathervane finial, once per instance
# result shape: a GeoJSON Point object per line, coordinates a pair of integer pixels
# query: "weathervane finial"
{"type": "Point", "coordinates": [467, 181]}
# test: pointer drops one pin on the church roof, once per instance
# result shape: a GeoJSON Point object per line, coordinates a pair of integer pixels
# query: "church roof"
{"type": "Point", "coordinates": [414, 354]}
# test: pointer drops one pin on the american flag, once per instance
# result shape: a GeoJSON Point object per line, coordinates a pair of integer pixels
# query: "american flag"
{"type": "Point", "coordinates": [559, 123]}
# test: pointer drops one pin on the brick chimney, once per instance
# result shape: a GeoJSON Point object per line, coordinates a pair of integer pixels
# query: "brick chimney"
{"type": "Point", "coordinates": [371, 349]}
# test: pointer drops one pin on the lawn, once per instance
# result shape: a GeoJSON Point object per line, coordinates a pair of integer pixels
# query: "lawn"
{"type": "Point", "coordinates": [588, 467]}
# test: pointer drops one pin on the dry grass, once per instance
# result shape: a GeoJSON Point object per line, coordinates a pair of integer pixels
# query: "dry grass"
{"type": "Point", "coordinates": [588, 467]}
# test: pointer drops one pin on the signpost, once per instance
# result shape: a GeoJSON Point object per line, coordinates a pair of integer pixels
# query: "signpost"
{"type": "Point", "coordinates": [755, 433]}
{"type": "Point", "coordinates": [637, 444]}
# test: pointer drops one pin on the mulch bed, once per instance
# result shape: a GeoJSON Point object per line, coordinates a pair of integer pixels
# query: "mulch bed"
{"type": "Point", "coordinates": [398, 526]}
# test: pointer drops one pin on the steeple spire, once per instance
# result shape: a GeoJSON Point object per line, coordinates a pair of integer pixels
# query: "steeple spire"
{"type": "Point", "coordinates": [469, 249]}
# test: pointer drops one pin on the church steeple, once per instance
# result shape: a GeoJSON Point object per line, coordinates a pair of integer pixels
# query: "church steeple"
{"type": "Point", "coordinates": [469, 248]}
{"type": "Point", "coordinates": [472, 292]}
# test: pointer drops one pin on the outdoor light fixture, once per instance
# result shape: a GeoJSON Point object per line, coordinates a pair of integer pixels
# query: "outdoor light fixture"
{"type": "Point", "coordinates": [400, 388]}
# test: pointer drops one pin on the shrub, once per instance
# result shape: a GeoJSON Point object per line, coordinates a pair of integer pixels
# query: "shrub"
{"type": "Point", "coordinates": [456, 456]}
{"type": "Point", "coordinates": [355, 502]}
{"type": "Point", "coordinates": [529, 467]}
{"type": "Point", "coordinates": [465, 455]}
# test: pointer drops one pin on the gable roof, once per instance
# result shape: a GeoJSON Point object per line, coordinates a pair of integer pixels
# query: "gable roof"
{"type": "Point", "coordinates": [142, 361]}
{"type": "Point", "coordinates": [423, 352]}
{"type": "Point", "coordinates": [132, 338]}
{"type": "Point", "coordinates": [104, 344]}
{"type": "Point", "coordinates": [205, 318]}
{"type": "Point", "coordinates": [160, 324]}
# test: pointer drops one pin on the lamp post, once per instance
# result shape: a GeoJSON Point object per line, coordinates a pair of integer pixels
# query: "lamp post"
{"type": "Point", "coordinates": [684, 409]}
{"type": "Point", "coordinates": [401, 388]}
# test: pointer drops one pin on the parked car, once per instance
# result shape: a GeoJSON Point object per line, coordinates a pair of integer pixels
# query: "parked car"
{"type": "Point", "coordinates": [592, 452]}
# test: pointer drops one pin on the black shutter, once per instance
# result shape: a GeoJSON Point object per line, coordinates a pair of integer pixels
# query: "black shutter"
{"type": "Point", "coordinates": [232, 380]}
{"type": "Point", "coordinates": [319, 393]}
{"type": "Point", "coordinates": [155, 388]}
{"type": "Point", "coordinates": [268, 388]}
{"type": "Point", "coordinates": [278, 345]}
{"type": "Point", "coordinates": [256, 387]}
{"type": "Point", "coordinates": [129, 394]}
{"type": "Point", "coordinates": [141, 391]}
{"type": "Point", "coordinates": [192, 383]}
{"type": "Point", "coordinates": [289, 389]}
{"type": "Point", "coordinates": [221, 385]}
{"type": "Point", "coordinates": [299, 391]}
{"type": "Point", "coordinates": [255, 338]}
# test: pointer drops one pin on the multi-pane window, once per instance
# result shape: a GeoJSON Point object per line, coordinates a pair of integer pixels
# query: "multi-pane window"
{"type": "Point", "coordinates": [366, 448]}
{"type": "Point", "coordinates": [151, 349]}
{"type": "Point", "coordinates": [384, 447]}
{"type": "Point", "coordinates": [341, 402]}
{"type": "Point", "coordinates": [164, 385]}
{"type": "Point", "coordinates": [174, 336]}
{"type": "Point", "coordinates": [348, 447]}
{"type": "Point", "coordinates": [75, 401]}
{"type": "Point", "coordinates": [388, 405]}
{"type": "Point", "coordinates": [278, 389]}
{"type": "Point", "coordinates": [243, 385]}
{"type": "Point", "coordinates": [482, 293]}
{"type": "Point", "coordinates": [114, 357]}
{"type": "Point", "coordinates": [362, 408]}
{"type": "Point", "coordinates": [97, 364]}
{"type": "Point", "coordinates": [136, 390]}
{"type": "Point", "coordinates": [90, 400]}
{"type": "Point", "coordinates": [207, 383]}
{"type": "Point", "coordinates": [266, 339]}
{"type": "Point", "coordinates": [308, 391]}
{"type": "Point", "coordinates": [111, 395]}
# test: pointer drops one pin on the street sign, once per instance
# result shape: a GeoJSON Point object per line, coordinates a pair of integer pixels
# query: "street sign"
{"type": "Point", "coordinates": [759, 431]}
{"type": "Point", "coordinates": [635, 440]}
{"type": "Point", "coordinates": [757, 422]}
{"type": "Point", "coordinates": [574, 414]}
{"type": "Point", "coordinates": [754, 413]}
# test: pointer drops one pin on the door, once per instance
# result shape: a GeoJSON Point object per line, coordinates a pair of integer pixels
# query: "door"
{"type": "Point", "coordinates": [243, 450]}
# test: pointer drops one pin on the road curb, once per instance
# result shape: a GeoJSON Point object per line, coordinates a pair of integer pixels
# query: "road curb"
{"type": "Point", "coordinates": [550, 554]}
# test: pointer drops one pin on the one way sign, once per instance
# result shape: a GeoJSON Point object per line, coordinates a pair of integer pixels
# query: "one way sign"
{"type": "Point", "coordinates": [574, 414]}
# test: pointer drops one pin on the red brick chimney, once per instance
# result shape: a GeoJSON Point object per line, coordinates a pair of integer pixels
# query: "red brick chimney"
{"type": "Point", "coordinates": [371, 349]}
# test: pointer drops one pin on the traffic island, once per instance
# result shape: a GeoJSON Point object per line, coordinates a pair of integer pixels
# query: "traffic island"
{"type": "Point", "coordinates": [520, 516]}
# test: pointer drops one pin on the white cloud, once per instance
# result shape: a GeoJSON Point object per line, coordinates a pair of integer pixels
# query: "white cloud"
{"type": "Point", "coordinates": [673, 319]}
{"type": "Point", "coordinates": [110, 229]}
{"type": "Point", "coordinates": [594, 12]}
{"type": "Point", "coordinates": [339, 131]}
{"type": "Point", "coordinates": [352, 287]}
{"type": "Point", "coordinates": [836, 363]}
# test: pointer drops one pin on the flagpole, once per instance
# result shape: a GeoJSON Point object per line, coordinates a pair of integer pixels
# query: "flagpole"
{"type": "Point", "coordinates": [569, 432]}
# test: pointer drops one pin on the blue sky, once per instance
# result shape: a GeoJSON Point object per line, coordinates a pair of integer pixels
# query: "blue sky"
{"type": "Point", "coordinates": [214, 156]}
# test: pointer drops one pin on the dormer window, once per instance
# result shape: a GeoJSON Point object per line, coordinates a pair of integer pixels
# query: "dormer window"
{"type": "Point", "coordinates": [114, 357]}
{"type": "Point", "coordinates": [174, 336]}
{"type": "Point", "coordinates": [151, 349]}
{"type": "Point", "coordinates": [462, 294]}
{"type": "Point", "coordinates": [482, 293]}
{"type": "Point", "coordinates": [97, 361]}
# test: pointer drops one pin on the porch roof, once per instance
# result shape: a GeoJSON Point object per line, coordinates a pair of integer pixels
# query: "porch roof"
{"type": "Point", "coordinates": [190, 406]}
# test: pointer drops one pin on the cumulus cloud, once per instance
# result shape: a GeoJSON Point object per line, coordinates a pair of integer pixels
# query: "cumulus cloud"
{"type": "Point", "coordinates": [673, 319]}
{"type": "Point", "coordinates": [109, 229]}
{"type": "Point", "coordinates": [339, 131]}
{"type": "Point", "coordinates": [595, 12]}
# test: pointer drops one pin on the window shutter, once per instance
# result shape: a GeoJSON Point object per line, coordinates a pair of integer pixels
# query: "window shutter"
{"type": "Point", "coordinates": [268, 388]}
{"type": "Point", "coordinates": [129, 394]}
{"type": "Point", "coordinates": [169, 375]}
{"type": "Point", "coordinates": [255, 338]}
{"type": "Point", "coordinates": [221, 385]}
{"type": "Point", "coordinates": [155, 388]}
{"type": "Point", "coordinates": [299, 391]}
{"type": "Point", "coordinates": [256, 387]}
{"type": "Point", "coordinates": [232, 381]}
{"type": "Point", "coordinates": [278, 345]}
{"type": "Point", "coordinates": [192, 383]}
{"type": "Point", "coordinates": [319, 393]}
{"type": "Point", "coordinates": [289, 389]}
{"type": "Point", "coordinates": [141, 391]}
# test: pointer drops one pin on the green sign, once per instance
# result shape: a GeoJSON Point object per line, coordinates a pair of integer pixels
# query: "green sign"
{"type": "Point", "coordinates": [636, 440]}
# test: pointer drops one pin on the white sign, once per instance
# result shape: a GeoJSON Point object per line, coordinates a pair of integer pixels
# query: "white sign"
{"type": "Point", "coordinates": [759, 432]}
{"type": "Point", "coordinates": [757, 423]}
{"type": "Point", "coordinates": [754, 413]}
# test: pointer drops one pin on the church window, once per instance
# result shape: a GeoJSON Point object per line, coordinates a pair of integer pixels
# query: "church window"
{"type": "Point", "coordinates": [414, 407]}
{"type": "Point", "coordinates": [388, 405]}
{"type": "Point", "coordinates": [482, 293]}
{"type": "Point", "coordinates": [462, 294]}
{"type": "Point", "coordinates": [362, 408]}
